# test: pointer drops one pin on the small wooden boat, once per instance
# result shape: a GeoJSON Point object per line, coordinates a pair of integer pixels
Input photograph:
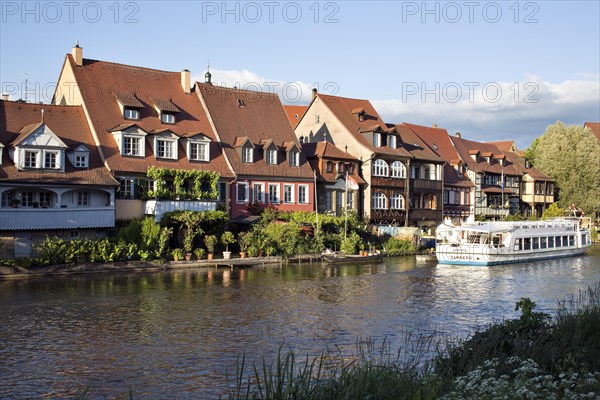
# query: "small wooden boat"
{"type": "Point", "coordinates": [353, 259]}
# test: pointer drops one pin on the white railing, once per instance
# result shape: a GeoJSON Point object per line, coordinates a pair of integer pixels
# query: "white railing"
{"type": "Point", "coordinates": [159, 207]}
{"type": "Point", "coordinates": [56, 218]}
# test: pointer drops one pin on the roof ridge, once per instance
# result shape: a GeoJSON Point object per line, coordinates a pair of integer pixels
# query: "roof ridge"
{"type": "Point", "coordinates": [21, 103]}
{"type": "Point", "coordinates": [235, 89]}
{"type": "Point", "coordinates": [341, 97]}
{"type": "Point", "coordinates": [129, 66]}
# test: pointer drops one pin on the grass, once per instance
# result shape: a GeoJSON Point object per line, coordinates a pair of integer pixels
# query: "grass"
{"type": "Point", "coordinates": [533, 357]}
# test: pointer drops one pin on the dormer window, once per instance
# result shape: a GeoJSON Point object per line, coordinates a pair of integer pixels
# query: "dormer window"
{"type": "Point", "coordinates": [272, 156]}
{"type": "Point", "coordinates": [340, 167]}
{"type": "Point", "coordinates": [247, 154]}
{"type": "Point", "coordinates": [329, 166]}
{"type": "Point", "coordinates": [376, 139]}
{"type": "Point", "coordinates": [165, 148]}
{"type": "Point", "coordinates": [81, 161]}
{"type": "Point", "coordinates": [392, 141]}
{"type": "Point", "coordinates": [294, 158]}
{"type": "Point", "coordinates": [167, 118]}
{"type": "Point", "coordinates": [198, 151]}
{"type": "Point", "coordinates": [132, 146]}
{"type": "Point", "coordinates": [31, 159]}
{"type": "Point", "coordinates": [131, 113]}
{"type": "Point", "coordinates": [51, 159]}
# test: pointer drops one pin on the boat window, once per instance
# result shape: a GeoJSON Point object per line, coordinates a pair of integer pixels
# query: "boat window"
{"type": "Point", "coordinates": [518, 245]}
{"type": "Point", "coordinates": [543, 243]}
{"type": "Point", "coordinates": [527, 244]}
{"type": "Point", "coordinates": [551, 242]}
{"type": "Point", "coordinates": [557, 241]}
{"type": "Point", "coordinates": [571, 240]}
{"type": "Point", "coordinates": [565, 241]}
{"type": "Point", "coordinates": [536, 243]}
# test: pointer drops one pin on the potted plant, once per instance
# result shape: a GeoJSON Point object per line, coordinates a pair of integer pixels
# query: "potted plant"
{"type": "Point", "coordinates": [244, 242]}
{"type": "Point", "coordinates": [15, 203]}
{"type": "Point", "coordinates": [210, 241]}
{"type": "Point", "coordinates": [177, 254]}
{"type": "Point", "coordinates": [227, 238]}
{"type": "Point", "coordinates": [199, 252]}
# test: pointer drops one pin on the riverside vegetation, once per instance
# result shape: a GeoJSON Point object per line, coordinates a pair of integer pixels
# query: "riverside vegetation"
{"type": "Point", "coordinates": [278, 233]}
{"type": "Point", "coordinates": [533, 357]}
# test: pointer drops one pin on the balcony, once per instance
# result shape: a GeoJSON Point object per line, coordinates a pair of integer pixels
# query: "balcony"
{"type": "Point", "coordinates": [159, 207]}
{"type": "Point", "coordinates": [56, 218]}
{"type": "Point", "coordinates": [423, 214]}
{"type": "Point", "coordinates": [388, 215]}
{"type": "Point", "coordinates": [425, 184]}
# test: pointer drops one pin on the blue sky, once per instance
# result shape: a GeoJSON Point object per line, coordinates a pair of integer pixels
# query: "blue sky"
{"type": "Point", "coordinates": [491, 70]}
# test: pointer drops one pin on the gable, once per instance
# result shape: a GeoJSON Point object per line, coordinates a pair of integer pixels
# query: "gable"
{"type": "Point", "coordinates": [40, 136]}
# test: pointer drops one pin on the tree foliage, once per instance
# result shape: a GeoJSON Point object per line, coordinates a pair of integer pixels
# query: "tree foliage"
{"type": "Point", "coordinates": [570, 155]}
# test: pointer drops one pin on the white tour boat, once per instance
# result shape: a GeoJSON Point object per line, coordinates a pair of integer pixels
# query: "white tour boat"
{"type": "Point", "coordinates": [503, 242]}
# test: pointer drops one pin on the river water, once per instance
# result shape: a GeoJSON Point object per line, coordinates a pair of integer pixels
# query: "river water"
{"type": "Point", "coordinates": [174, 334]}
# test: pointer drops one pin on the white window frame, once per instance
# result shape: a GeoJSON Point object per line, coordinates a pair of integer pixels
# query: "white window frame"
{"type": "Point", "coordinates": [379, 201]}
{"type": "Point", "coordinates": [81, 160]}
{"type": "Point", "coordinates": [376, 139]}
{"type": "Point", "coordinates": [272, 156]}
{"type": "Point", "coordinates": [126, 187]}
{"type": "Point", "coordinates": [169, 150]}
{"type": "Point", "coordinates": [274, 193]}
{"type": "Point", "coordinates": [131, 113]}
{"type": "Point", "coordinates": [241, 187]}
{"type": "Point", "coordinates": [288, 193]}
{"type": "Point", "coordinates": [294, 158]}
{"type": "Point", "coordinates": [380, 168]}
{"type": "Point", "coordinates": [258, 192]}
{"type": "Point", "coordinates": [196, 147]}
{"type": "Point", "coordinates": [247, 154]}
{"type": "Point", "coordinates": [36, 158]}
{"type": "Point", "coordinates": [398, 170]}
{"type": "Point", "coordinates": [303, 194]}
{"type": "Point", "coordinates": [132, 139]}
{"type": "Point", "coordinates": [397, 202]}
{"type": "Point", "coordinates": [167, 118]}
{"type": "Point", "coordinates": [392, 141]}
{"type": "Point", "coordinates": [56, 162]}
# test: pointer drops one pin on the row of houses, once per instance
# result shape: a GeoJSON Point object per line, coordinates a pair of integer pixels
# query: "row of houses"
{"type": "Point", "coordinates": [121, 142]}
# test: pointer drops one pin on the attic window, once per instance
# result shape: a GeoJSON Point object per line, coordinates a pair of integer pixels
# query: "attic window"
{"type": "Point", "coordinates": [81, 161]}
{"type": "Point", "coordinates": [361, 117]}
{"type": "Point", "coordinates": [392, 141]}
{"type": "Point", "coordinates": [167, 118]}
{"type": "Point", "coordinates": [130, 113]}
{"type": "Point", "coordinates": [377, 139]}
{"type": "Point", "coordinates": [271, 156]}
{"type": "Point", "coordinates": [241, 103]}
{"type": "Point", "coordinates": [435, 147]}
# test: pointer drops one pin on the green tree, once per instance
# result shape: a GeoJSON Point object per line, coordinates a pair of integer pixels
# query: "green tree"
{"type": "Point", "coordinates": [531, 150]}
{"type": "Point", "coordinates": [570, 155]}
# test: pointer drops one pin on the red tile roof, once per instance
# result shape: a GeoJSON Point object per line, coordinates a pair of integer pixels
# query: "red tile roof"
{"type": "Point", "coordinates": [147, 86]}
{"type": "Point", "coordinates": [463, 146]}
{"type": "Point", "coordinates": [506, 145]}
{"type": "Point", "coordinates": [438, 141]}
{"type": "Point", "coordinates": [70, 125]}
{"type": "Point", "coordinates": [595, 127]}
{"type": "Point", "coordinates": [261, 118]}
{"type": "Point", "coordinates": [342, 108]}
{"type": "Point", "coordinates": [294, 113]}
{"type": "Point", "coordinates": [415, 145]}
{"type": "Point", "coordinates": [327, 151]}
{"type": "Point", "coordinates": [519, 163]}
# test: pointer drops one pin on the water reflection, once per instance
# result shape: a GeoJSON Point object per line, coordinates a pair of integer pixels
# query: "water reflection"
{"type": "Point", "coordinates": [173, 334]}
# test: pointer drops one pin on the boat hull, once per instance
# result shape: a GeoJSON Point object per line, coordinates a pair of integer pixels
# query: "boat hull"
{"type": "Point", "coordinates": [336, 258]}
{"type": "Point", "coordinates": [458, 256]}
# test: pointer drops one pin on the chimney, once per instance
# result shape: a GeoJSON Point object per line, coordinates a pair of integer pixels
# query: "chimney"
{"type": "Point", "coordinates": [457, 134]}
{"type": "Point", "coordinates": [77, 53]}
{"type": "Point", "coordinates": [434, 125]}
{"type": "Point", "coordinates": [4, 96]}
{"type": "Point", "coordinates": [314, 93]}
{"type": "Point", "coordinates": [185, 81]}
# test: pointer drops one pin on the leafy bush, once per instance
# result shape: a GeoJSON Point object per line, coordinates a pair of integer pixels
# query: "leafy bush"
{"type": "Point", "coordinates": [399, 247]}
{"type": "Point", "coordinates": [350, 245]}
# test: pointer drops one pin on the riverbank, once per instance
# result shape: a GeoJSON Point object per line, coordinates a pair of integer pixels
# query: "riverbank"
{"type": "Point", "coordinates": [18, 272]}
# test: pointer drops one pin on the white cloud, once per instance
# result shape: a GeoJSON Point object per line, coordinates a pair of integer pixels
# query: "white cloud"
{"type": "Point", "coordinates": [480, 111]}
{"type": "Point", "coordinates": [290, 92]}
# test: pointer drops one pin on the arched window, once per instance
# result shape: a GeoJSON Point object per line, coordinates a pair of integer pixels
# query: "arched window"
{"type": "Point", "coordinates": [398, 170]}
{"type": "Point", "coordinates": [380, 168]}
{"type": "Point", "coordinates": [379, 201]}
{"type": "Point", "coordinates": [397, 202]}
